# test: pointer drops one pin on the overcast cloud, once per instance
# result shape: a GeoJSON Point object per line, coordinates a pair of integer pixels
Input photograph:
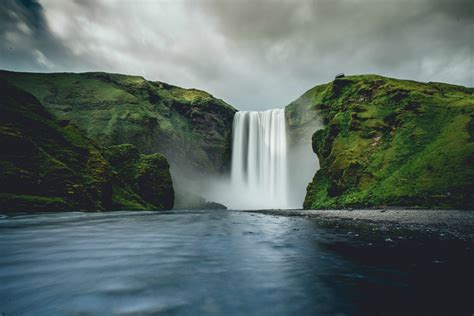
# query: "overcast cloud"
{"type": "Point", "coordinates": [253, 54]}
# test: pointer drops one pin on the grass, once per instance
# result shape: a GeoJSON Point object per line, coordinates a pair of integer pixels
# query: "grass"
{"type": "Point", "coordinates": [183, 124]}
{"type": "Point", "coordinates": [392, 142]}
{"type": "Point", "coordinates": [49, 165]}
{"type": "Point", "coordinates": [147, 176]}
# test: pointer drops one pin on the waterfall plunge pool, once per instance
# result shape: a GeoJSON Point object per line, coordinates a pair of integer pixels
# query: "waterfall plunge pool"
{"type": "Point", "coordinates": [219, 263]}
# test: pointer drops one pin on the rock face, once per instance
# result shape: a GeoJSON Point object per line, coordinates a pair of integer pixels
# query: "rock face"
{"type": "Point", "coordinates": [49, 165]}
{"type": "Point", "coordinates": [190, 201]}
{"type": "Point", "coordinates": [392, 142]}
{"type": "Point", "coordinates": [382, 142]}
{"type": "Point", "coordinates": [190, 127]}
{"type": "Point", "coordinates": [302, 120]}
{"type": "Point", "coordinates": [146, 175]}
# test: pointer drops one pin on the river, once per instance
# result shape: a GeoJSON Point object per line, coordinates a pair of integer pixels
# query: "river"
{"type": "Point", "coordinates": [218, 263]}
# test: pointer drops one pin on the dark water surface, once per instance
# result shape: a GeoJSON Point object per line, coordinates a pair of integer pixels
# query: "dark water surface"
{"type": "Point", "coordinates": [219, 263]}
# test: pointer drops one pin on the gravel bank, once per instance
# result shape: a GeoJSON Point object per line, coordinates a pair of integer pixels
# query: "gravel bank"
{"type": "Point", "coordinates": [457, 224]}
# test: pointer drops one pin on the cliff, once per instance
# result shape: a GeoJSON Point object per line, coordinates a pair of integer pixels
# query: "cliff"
{"type": "Point", "coordinates": [392, 142]}
{"type": "Point", "coordinates": [49, 165]}
{"type": "Point", "coordinates": [190, 127]}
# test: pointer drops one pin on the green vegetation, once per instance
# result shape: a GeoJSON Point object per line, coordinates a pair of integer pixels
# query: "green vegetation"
{"type": "Point", "coordinates": [190, 127]}
{"type": "Point", "coordinates": [391, 142]}
{"type": "Point", "coordinates": [49, 165]}
{"type": "Point", "coordinates": [385, 141]}
{"type": "Point", "coordinates": [146, 175]}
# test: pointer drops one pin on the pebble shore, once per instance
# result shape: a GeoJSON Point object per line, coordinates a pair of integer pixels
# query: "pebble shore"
{"type": "Point", "coordinates": [458, 224]}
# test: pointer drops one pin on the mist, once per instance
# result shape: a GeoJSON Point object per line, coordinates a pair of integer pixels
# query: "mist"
{"type": "Point", "coordinates": [301, 165]}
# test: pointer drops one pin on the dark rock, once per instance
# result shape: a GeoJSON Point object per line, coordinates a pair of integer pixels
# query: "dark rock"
{"type": "Point", "coordinates": [191, 128]}
{"type": "Point", "coordinates": [49, 165]}
{"type": "Point", "coordinates": [384, 147]}
{"type": "Point", "coordinates": [215, 206]}
{"type": "Point", "coordinates": [186, 200]}
{"type": "Point", "coordinates": [147, 175]}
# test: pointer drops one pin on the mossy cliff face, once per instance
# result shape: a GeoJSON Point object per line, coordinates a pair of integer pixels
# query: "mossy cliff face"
{"type": "Point", "coordinates": [146, 175]}
{"type": "Point", "coordinates": [392, 142]}
{"type": "Point", "coordinates": [190, 127]}
{"type": "Point", "coordinates": [49, 165]}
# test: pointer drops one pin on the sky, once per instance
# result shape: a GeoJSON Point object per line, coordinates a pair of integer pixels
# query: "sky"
{"type": "Point", "coordinates": [254, 54]}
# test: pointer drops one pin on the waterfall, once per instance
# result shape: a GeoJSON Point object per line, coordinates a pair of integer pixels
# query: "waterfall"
{"type": "Point", "coordinates": [259, 160]}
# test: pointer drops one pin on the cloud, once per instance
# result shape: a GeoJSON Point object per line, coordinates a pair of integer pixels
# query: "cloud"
{"type": "Point", "coordinates": [255, 54]}
{"type": "Point", "coordinates": [42, 60]}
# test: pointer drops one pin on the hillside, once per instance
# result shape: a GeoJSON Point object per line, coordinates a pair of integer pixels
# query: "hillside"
{"type": "Point", "coordinates": [190, 127]}
{"type": "Point", "coordinates": [391, 142]}
{"type": "Point", "coordinates": [49, 165]}
{"type": "Point", "coordinates": [380, 141]}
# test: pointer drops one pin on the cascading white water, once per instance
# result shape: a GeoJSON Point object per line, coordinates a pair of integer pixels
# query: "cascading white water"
{"type": "Point", "coordinates": [259, 160]}
{"type": "Point", "coordinates": [270, 169]}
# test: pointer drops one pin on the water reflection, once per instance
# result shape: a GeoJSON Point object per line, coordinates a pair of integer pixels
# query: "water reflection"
{"type": "Point", "coordinates": [180, 263]}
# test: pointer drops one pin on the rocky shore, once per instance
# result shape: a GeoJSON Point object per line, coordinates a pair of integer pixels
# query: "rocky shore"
{"type": "Point", "coordinates": [392, 224]}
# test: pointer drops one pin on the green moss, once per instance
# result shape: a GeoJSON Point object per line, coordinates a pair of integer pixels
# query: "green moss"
{"type": "Point", "coordinates": [26, 203]}
{"type": "Point", "coordinates": [147, 176]}
{"type": "Point", "coordinates": [392, 142]}
{"type": "Point", "coordinates": [190, 127]}
{"type": "Point", "coordinates": [123, 198]}
{"type": "Point", "coordinates": [49, 165]}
